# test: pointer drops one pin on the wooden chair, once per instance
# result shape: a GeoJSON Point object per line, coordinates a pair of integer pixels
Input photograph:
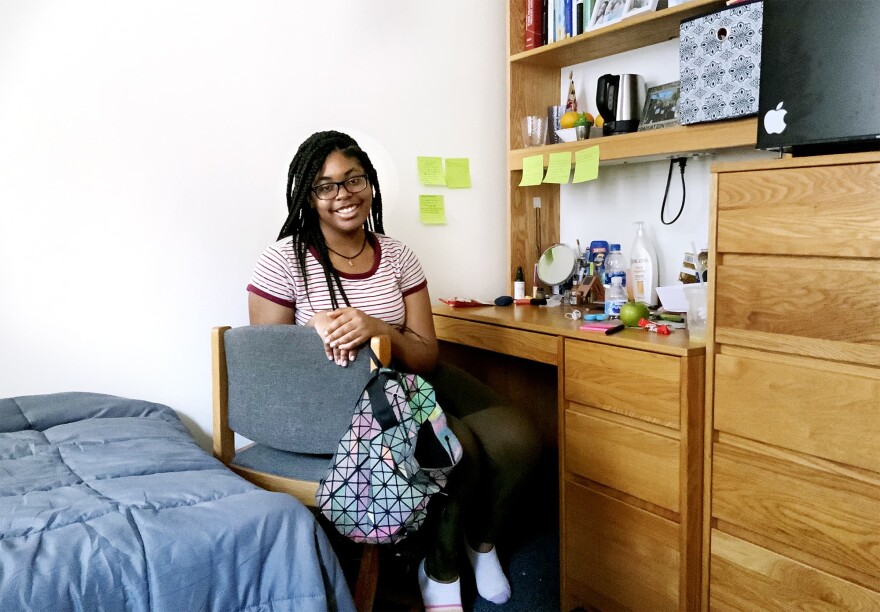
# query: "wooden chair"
{"type": "Point", "coordinates": [274, 385]}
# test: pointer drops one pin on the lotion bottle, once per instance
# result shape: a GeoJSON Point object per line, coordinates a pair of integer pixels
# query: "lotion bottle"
{"type": "Point", "coordinates": [643, 267]}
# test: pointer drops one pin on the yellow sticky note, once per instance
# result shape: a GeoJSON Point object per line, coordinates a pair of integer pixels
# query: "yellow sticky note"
{"type": "Point", "coordinates": [432, 210]}
{"type": "Point", "coordinates": [586, 165]}
{"type": "Point", "coordinates": [533, 170]}
{"type": "Point", "coordinates": [458, 172]}
{"type": "Point", "coordinates": [558, 168]}
{"type": "Point", "coordinates": [431, 170]}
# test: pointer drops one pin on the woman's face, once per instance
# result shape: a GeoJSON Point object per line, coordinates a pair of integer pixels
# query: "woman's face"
{"type": "Point", "coordinates": [347, 212]}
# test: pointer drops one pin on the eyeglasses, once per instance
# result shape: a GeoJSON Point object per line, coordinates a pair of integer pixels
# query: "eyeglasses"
{"type": "Point", "coordinates": [328, 191]}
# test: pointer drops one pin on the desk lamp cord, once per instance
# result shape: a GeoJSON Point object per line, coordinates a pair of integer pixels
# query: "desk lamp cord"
{"type": "Point", "coordinates": [682, 161]}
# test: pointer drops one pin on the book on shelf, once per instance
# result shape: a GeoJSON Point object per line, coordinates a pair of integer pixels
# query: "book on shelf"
{"type": "Point", "coordinates": [544, 39]}
{"type": "Point", "coordinates": [561, 19]}
{"type": "Point", "coordinates": [534, 19]}
{"type": "Point", "coordinates": [579, 17]}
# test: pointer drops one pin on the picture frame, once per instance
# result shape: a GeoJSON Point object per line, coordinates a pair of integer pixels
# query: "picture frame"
{"type": "Point", "coordinates": [661, 107]}
{"type": "Point", "coordinates": [606, 12]}
{"type": "Point", "coordinates": [637, 7]}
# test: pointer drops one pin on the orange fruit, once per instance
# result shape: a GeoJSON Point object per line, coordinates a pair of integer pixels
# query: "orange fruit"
{"type": "Point", "coordinates": [568, 119]}
{"type": "Point", "coordinates": [599, 121]}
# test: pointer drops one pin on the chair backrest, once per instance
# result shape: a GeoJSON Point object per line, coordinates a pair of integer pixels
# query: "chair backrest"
{"type": "Point", "coordinates": [281, 390]}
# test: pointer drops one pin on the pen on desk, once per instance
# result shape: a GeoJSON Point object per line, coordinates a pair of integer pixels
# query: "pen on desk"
{"type": "Point", "coordinates": [615, 329]}
{"type": "Point", "coordinates": [578, 241]}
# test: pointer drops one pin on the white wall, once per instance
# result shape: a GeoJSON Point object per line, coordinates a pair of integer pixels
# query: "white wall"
{"type": "Point", "coordinates": [143, 160]}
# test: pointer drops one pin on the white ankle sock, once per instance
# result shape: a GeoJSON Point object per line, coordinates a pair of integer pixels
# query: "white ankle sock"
{"type": "Point", "coordinates": [492, 584]}
{"type": "Point", "coordinates": [439, 596]}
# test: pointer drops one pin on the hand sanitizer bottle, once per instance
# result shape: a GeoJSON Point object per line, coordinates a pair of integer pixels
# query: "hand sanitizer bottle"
{"type": "Point", "coordinates": [643, 267]}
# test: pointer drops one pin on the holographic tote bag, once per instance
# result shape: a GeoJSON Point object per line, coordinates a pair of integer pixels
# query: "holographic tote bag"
{"type": "Point", "coordinates": [396, 454]}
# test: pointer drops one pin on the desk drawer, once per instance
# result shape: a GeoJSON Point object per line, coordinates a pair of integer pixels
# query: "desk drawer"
{"type": "Point", "coordinates": [504, 340]}
{"type": "Point", "coordinates": [805, 505]}
{"type": "Point", "coordinates": [800, 404]}
{"type": "Point", "coordinates": [800, 305]}
{"type": "Point", "coordinates": [618, 557]}
{"type": "Point", "coordinates": [637, 462]}
{"type": "Point", "coordinates": [749, 577]}
{"type": "Point", "coordinates": [627, 381]}
{"type": "Point", "coordinates": [801, 211]}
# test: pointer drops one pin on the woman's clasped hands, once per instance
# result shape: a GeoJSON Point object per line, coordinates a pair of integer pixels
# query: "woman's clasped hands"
{"type": "Point", "coordinates": [344, 330]}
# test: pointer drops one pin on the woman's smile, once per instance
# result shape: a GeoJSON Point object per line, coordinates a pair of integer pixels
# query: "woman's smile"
{"type": "Point", "coordinates": [346, 212]}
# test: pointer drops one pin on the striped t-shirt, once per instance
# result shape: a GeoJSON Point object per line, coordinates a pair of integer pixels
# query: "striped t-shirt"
{"type": "Point", "coordinates": [379, 292]}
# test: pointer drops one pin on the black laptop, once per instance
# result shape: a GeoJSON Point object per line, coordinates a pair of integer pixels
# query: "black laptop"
{"type": "Point", "coordinates": [820, 76]}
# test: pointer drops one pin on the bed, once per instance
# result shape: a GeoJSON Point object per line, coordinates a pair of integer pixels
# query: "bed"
{"type": "Point", "coordinates": [107, 503]}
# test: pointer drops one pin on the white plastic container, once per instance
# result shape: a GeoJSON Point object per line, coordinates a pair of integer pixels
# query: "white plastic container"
{"type": "Point", "coordinates": [643, 267]}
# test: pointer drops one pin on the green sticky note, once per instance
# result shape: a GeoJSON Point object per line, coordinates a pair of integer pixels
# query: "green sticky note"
{"type": "Point", "coordinates": [458, 172]}
{"type": "Point", "coordinates": [586, 165]}
{"type": "Point", "coordinates": [432, 210]}
{"type": "Point", "coordinates": [558, 168]}
{"type": "Point", "coordinates": [431, 170]}
{"type": "Point", "coordinates": [533, 170]}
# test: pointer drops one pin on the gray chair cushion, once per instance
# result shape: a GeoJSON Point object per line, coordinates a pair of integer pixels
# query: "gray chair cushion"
{"type": "Point", "coordinates": [270, 460]}
{"type": "Point", "coordinates": [285, 393]}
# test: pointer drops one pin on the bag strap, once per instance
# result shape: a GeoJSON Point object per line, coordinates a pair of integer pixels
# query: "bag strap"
{"type": "Point", "coordinates": [382, 411]}
{"type": "Point", "coordinates": [374, 359]}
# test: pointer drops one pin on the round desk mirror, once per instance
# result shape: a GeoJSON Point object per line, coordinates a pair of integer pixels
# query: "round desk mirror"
{"type": "Point", "coordinates": [557, 264]}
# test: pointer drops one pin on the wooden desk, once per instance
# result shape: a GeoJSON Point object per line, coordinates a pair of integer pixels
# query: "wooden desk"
{"type": "Point", "coordinates": [627, 411]}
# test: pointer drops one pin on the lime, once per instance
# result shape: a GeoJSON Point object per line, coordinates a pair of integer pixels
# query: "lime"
{"type": "Point", "coordinates": [632, 312]}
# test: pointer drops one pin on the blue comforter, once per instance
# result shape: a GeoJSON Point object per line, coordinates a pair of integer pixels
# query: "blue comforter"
{"type": "Point", "coordinates": [107, 503]}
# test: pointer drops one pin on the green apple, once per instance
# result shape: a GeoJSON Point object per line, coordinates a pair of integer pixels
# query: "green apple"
{"type": "Point", "coordinates": [632, 312]}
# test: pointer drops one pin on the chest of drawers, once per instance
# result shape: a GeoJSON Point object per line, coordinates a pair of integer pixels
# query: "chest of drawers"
{"type": "Point", "coordinates": [792, 483]}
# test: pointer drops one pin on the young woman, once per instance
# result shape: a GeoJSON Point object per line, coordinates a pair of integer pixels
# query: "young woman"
{"type": "Point", "coordinates": [333, 269]}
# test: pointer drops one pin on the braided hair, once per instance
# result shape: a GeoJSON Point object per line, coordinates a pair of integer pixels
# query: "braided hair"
{"type": "Point", "coordinates": [302, 220]}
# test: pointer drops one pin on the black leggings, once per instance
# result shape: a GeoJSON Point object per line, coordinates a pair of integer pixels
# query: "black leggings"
{"type": "Point", "coordinates": [501, 449]}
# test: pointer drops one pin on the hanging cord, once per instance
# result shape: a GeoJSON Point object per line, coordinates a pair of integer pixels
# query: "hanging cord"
{"type": "Point", "coordinates": [682, 161]}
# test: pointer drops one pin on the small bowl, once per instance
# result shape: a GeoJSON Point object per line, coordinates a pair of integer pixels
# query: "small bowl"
{"type": "Point", "coordinates": [567, 134]}
{"type": "Point", "coordinates": [571, 134]}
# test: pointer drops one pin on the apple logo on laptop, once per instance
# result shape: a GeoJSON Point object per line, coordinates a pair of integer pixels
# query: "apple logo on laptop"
{"type": "Point", "coordinates": [774, 120]}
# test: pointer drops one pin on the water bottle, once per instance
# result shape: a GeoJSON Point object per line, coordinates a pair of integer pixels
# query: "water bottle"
{"type": "Point", "coordinates": [615, 265]}
{"type": "Point", "coordinates": [615, 297]}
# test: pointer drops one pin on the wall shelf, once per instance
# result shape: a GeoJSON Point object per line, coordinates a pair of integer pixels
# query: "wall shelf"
{"type": "Point", "coordinates": [653, 145]}
{"type": "Point", "coordinates": [534, 84]}
{"type": "Point", "coordinates": [633, 33]}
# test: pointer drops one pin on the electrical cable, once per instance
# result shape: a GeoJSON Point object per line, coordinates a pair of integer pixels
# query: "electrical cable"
{"type": "Point", "coordinates": [682, 162]}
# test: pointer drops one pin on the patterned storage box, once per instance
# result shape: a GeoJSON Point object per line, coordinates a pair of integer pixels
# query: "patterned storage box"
{"type": "Point", "coordinates": [720, 64]}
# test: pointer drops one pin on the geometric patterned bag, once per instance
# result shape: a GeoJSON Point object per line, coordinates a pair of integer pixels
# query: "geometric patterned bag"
{"type": "Point", "coordinates": [397, 453]}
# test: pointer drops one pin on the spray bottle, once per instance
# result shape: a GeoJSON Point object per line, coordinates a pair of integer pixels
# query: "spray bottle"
{"type": "Point", "coordinates": [643, 267]}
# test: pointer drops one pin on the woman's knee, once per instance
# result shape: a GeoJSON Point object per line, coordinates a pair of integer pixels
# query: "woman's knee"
{"type": "Point", "coordinates": [507, 436]}
{"type": "Point", "coordinates": [466, 473]}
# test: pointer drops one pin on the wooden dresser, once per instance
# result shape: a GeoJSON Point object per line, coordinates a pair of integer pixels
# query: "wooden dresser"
{"type": "Point", "coordinates": [629, 413]}
{"type": "Point", "coordinates": [792, 474]}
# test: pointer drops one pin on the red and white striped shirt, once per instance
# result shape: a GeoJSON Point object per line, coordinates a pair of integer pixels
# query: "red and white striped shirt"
{"type": "Point", "coordinates": [379, 292]}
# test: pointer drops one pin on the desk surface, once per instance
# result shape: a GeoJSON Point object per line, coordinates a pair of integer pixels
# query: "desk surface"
{"type": "Point", "coordinates": [551, 321]}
